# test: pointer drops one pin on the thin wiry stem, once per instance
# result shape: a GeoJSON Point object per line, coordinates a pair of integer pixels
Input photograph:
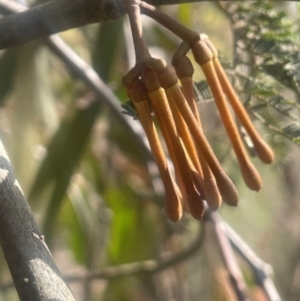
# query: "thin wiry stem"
{"type": "Point", "coordinates": [144, 267]}
{"type": "Point", "coordinates": [236, 277]}
{"type": "Point", "coordinates": [262, 271]}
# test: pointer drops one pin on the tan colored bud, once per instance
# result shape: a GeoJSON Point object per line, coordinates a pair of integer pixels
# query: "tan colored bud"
{"type": "Point", "coordinates": [250, 175]}
{"type": "Point", "coordinates": [184, 67]}
{"type": "Point", "coordinates": [202, 53]}
{"type": "Point", "coordinates": [263, 150]}
{"type": "Point", "coordinates": [137, 93]}
{"type": "Point", "coordinates": [225, 185]}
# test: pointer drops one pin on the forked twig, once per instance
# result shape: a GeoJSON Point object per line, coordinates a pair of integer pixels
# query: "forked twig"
{"type": "Point", "coordinates": [263, 272]}
{"type": "Point", "coordinates": [236, 278]}
{"type": "Point", "coordinates": [144, 267]}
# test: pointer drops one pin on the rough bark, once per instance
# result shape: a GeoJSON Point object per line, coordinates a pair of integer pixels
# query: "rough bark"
{"type": "Point", "coordinates": [59, 15]}
{"type": "Point", "coordinates": [33, 270]}
{"type": "Point", "coordinates": [53, 17]}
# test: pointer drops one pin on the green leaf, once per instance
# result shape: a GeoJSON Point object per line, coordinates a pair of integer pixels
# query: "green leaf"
{"type": "Point", "coordinates": [132, 234]}
{"type": "Point", "coordinates": [129, 109]}
{"type": "Point", "coordinates": [202, 90]}
{"type": "Point", "coordinates": [292, 129]}
{"type": "Point", "coordinates": [107, 47]}
{"type": "Point", "coordinates": [63, 154]}
{"type": "Point", "coordinates": [7, 71]}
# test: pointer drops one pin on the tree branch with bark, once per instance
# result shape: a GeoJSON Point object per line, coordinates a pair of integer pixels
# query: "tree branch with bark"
{"type": "Point", "coordinates": [35, 275]}
{"type": "Point", "coordinates": [60, 15]}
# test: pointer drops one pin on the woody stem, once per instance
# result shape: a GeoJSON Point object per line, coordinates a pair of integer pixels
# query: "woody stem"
{"type": "Point", "coordinates": [178, 29]}
{"type": "Point", "coordinates": [134, 14]}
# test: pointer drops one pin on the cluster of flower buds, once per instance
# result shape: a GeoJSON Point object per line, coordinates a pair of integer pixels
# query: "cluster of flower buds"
{"type": "Point", "coordinates": [168, 91]}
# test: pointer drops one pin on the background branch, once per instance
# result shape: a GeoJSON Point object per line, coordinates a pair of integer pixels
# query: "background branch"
{"type": "Point", "coordinates": [236, 277]}
{"type": "Point", "coordinates": [53, 17]}
{"type": "Point", "coordinates": [33, 270]}
{"type": "Point", "coordinates": [263, 272]}
{"type": "Point", "coordinates": [59, 15]}
{"type": "Point", "coordinates": [129, 269]}
{"type": "Point", "coordinates": [87, 74]}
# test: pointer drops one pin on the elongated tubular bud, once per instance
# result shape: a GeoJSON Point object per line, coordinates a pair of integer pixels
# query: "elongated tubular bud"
{"type": "Point", "coordinates": [208, 183]}
{"type": "Point", "coordinates": [225, 185]}
{"type": "Point", "coordinates": [195, 209]}
{"type": "Point", "coordinates": [263, 150]}
{"type": "Point", "coordinates": [249, 173]}
{"type": "Point", "coordinates": [197, 177]}
{"type": "Point", "coordinates": [184, 70]}
{"type": "Point", "coordinates": [172, 154]}
{"type": "Point", "coordinates": [137, 94]}
{"type": "Point", "coordinates": [153, 86]}
{"type": "Point", "coordinates": [162, 111]}
{"type": "Point", "coordinates": [185, 135]}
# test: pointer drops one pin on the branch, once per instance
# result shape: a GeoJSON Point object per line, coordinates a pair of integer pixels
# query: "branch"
{"type": "Point", "coordinates": [33, 270]}
{"type": "Point", "coordinates": [236, 277]}
{"type": "Point", "coordinates": [147, 266]}
{"type": "Point", "coordinates": [89, 76]}
{"type": "Point", "coordinates": [53, 17]}
{"type": "Point", "coordinates": [262, 271]}
{"type": "Point", "coordinates": [129, 269]}
{"type": "Point", "coordinates": [59, 15]}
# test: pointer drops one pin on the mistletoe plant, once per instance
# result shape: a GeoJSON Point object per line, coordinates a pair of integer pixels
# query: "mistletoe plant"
{"type": "Point", "coordinates": [154, 86]}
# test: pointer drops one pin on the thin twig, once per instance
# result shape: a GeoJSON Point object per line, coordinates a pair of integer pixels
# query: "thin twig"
{"type": "Point", "coordinates": [178, 29]}
{"type": "Point", "coordinates": [236, 277]}
{"type": "Point", "coordinates": [129, 269]}
{"type": "Point", "coordinates": [87, 74]}
{"type": "Point", "coordinates": [262, 271]}
{"type": "Point", "coordinates": [141, 49]}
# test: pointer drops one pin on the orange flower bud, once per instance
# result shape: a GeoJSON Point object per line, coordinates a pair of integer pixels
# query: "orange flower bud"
{"type": "Point", "coordinates": [263, 150]}
{"type": "Point", "coordinates": [184, 70]}
{"type": "Point", "coordinates": [250, 175]}
{"type": "Point", "coordinates": [226, 187]}
{"type": "Point", "coordinates": [162, 110]}
{"type": "Point", "coordinates": [138, 94]}
{"type": "Point", "coordinates": [201, 52]}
